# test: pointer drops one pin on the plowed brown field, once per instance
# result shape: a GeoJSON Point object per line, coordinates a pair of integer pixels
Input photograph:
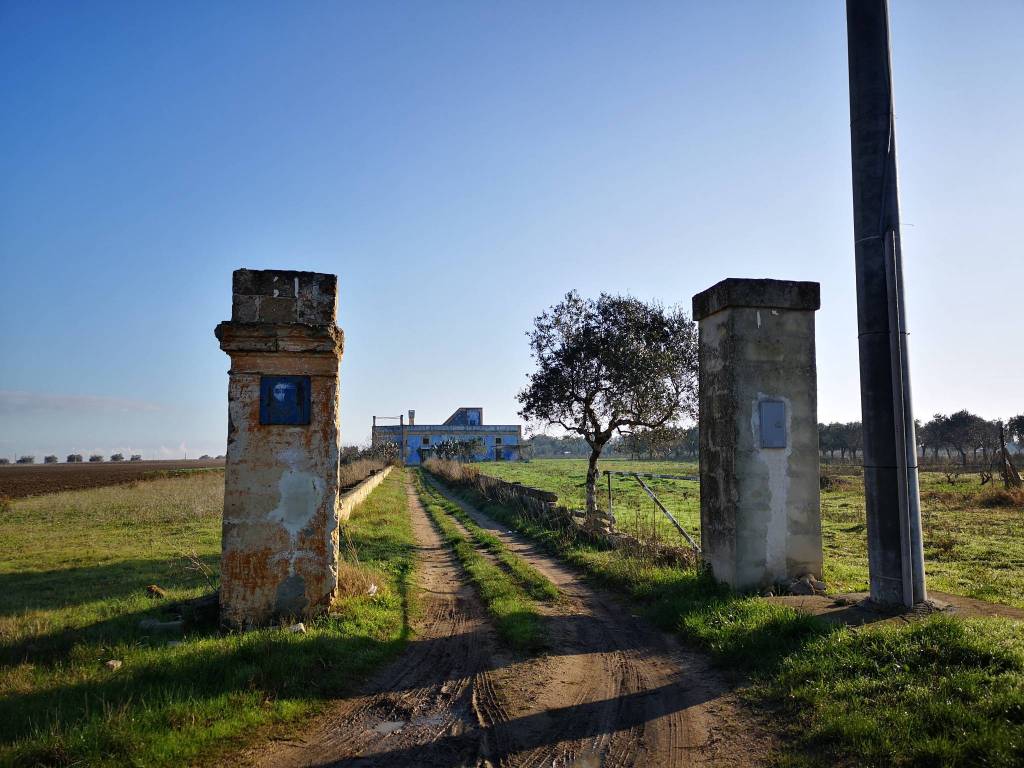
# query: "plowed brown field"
{"type": "Point", "coordinates": [19, 480]}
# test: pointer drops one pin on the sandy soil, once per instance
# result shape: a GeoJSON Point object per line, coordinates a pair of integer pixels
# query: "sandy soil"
{"type": "Point", "coordinates": [610, 690]}
{"type": "Point", "coordinates": [855, 608]}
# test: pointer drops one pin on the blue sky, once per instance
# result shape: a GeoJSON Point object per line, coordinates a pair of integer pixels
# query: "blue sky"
{"type": "Point", "coordinates": [460, 166]}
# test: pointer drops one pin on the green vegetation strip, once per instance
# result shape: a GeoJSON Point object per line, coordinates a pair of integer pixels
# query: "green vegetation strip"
{"type": "Point", "coordinates": [941, 691]}
{"type": "Point", "coordinates": [514, 612]}
{"type": "Point", "coordinates": [73, 574]}
{"type": "Point", "coordinates": [536, 584]}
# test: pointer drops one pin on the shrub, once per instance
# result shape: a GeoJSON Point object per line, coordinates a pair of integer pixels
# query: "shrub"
{"type": "Point", "coordinates": [95, 457]}
{"type": "Point", "coordinates": [385, 451]}
{"type": "Point", "coordinates": [49, 459]}
{"type": "Point", "coordinates": [459, 450]}
{"type": "Point", "coordinates": [136, 457]}
{"type": "Point", "coordinates": [348, 453]}
{"type": "Point", "coordinates": [117, 457]}
{"type": "Point", "coordinates": [5, 461]}
{"type": "Point", "coordinates": [26, 459]}
{"type": "Point", "coordinates": [1002, 497]}
{"type": "Point", "coordinates": [74, 458]}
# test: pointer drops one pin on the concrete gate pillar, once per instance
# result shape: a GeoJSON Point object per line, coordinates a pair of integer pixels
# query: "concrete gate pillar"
{"type": "Point", "coordinates": [280, 537]}
{"type": "Point", "coordinates": [760, 510]}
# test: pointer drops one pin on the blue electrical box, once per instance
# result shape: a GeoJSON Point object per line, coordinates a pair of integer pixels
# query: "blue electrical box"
{"type": "Point", "coordinates": [284, 400]}
{"type": "Point", "coordinates": [773, 423]}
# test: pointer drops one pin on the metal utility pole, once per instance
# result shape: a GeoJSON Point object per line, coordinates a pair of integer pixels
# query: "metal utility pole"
{"type": "Point", "coordinates": [895, 551]}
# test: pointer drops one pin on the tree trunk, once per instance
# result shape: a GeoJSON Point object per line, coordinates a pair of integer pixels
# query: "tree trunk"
{"type": "Point", "coordinates": [592, 475]}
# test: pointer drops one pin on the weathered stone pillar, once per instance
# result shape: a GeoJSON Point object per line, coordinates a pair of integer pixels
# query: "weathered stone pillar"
{"type": "Point", "coordinates": [760, 510]}
{"type": "Point", "coordinates": [280, 537]}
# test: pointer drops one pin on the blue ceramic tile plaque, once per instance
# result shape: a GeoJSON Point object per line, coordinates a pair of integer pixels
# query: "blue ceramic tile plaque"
{"type": "Point", "coordinates": [284, 400]}
{"type": "Point", "coordinates": [773, 424]}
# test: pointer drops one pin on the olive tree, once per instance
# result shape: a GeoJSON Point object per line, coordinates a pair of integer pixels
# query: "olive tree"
{"type": "Point", "coordinates": [610, 365]}
{"type": "Point", "coordinates": [459, 450]}
{"type": "Point", "coordinates": [385, 451]}
{"type": "Point", "coordinates": [1015, 429]}
{"type": "Point", "coordinates": [963, 431]}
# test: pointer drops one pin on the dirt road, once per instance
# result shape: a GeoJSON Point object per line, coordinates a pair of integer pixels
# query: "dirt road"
{"type": "Point", "coordinates": [610, 690]}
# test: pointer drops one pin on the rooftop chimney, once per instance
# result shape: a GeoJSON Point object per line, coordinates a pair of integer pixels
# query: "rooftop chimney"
{"type": "Point", "coordinates": [412, 418]}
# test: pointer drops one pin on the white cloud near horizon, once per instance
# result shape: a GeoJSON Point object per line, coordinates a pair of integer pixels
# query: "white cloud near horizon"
{"type": "Point", "coordinates": [14, 401]}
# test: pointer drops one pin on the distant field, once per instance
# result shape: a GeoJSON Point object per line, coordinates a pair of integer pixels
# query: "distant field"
{"type": "Point", "coordinates": [633, 509]}
{"type": "Point", "coordinates": [20, 480]}
{"type": "Point", "coordinates": [974, 538]}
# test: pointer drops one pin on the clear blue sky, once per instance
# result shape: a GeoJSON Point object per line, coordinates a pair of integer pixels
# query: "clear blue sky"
{"type": "Point", "coordinates": [460, 166]}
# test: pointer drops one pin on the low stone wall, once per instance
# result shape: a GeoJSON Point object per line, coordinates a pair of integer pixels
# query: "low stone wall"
{"type": "Point", "coordinates": [543, 507]}
{"type": "Point", "coordinates": [352, 499]}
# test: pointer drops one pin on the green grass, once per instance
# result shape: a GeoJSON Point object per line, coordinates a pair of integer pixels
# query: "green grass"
{"type": "Point", "coordinates": [941, 692]}
{"type": "Point", "coordinates": [73, 572]}
{"type": "Point", "coordinates": [533, 582]}
{"type": "Point", "coordinates": [634, 511]}
{"type": "Point", "coordinates": [970, 549]}
{"type": "Point", "coordinates": [514, 612]}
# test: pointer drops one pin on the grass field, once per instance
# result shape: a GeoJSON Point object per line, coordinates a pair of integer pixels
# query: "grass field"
{"type": "Point", "coordinates": [74, 568]}
{"type": "Point", "coordinates": [634, 511]}
{"type": "Point", "coordinates": [974, 540]}
{"type": "Point", "coordinates": [942, 691]}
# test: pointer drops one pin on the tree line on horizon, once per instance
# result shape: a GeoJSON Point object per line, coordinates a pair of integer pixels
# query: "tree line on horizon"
{"type": "Point", "coordinates": [962, 435]}
{"type": "Point", "coordinates": [95, 458]}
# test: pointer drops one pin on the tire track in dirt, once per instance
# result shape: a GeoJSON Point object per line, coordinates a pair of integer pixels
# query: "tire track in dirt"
{"type": "Point", "coordinates": [631, 692]}
{"type": "Point", "coordinates": [427, 698]}
{"type": "Point", "coordinates": [609, 691]}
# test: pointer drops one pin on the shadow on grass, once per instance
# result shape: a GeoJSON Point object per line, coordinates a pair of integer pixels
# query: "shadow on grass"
{"type": "Point", "coordinates": [53, 647]}
{"type": "Point", "coordinates": [271, 663]}
{"type": "Point", "coordinates": [206, 678]}
{"type": "Point", "coordinates": [64, 587]}
{"type": "Point", "coordinates": [171, 702]}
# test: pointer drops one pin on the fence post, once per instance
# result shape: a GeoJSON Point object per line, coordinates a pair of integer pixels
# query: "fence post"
{"type": "Point", "coordinates": [611, 514]}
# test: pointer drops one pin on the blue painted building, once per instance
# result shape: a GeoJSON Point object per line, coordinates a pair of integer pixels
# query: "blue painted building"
{"type": "Point", "coordinates": [498, 442]}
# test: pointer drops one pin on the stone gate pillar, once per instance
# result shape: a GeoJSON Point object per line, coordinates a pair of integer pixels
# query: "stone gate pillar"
{"type": "Point", "coordinates": [279, 555]}
{"type": "Point", "coordinates": [759, 491]}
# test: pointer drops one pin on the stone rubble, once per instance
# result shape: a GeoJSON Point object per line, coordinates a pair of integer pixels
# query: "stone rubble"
{"type": "Point", "coordinates": [807, 585]}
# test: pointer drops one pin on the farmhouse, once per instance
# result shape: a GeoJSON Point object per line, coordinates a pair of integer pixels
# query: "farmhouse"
{"type": "Point", "coordinates": [497, 442]}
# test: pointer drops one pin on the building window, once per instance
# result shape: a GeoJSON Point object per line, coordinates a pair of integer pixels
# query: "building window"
{"type": "Point", "coordinates": [426, 441]}
{"type": "Point", "coordinates": [497, 441]}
